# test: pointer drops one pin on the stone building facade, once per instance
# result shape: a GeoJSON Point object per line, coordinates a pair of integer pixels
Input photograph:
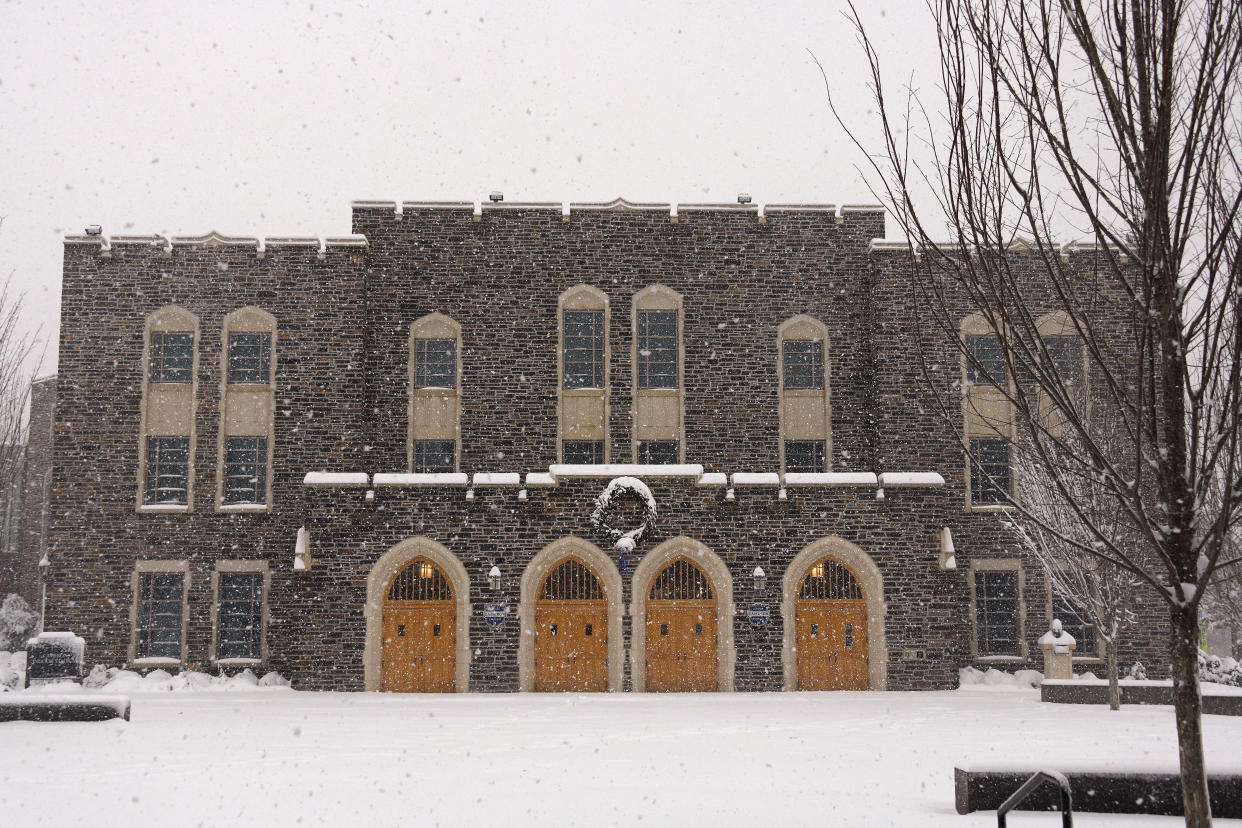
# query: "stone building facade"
{"type": "Point", "coordinates": [366, 461]}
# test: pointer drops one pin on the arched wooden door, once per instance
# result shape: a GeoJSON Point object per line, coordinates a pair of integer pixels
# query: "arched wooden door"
{"type": "Point", "coordinates": [831, 613]}
{"type": "Point", "coordinates": [420, 631]}
{"type": "Point", "coordinates": [681, 630]}
{"type": "Point", "coordinates": [571, 630]}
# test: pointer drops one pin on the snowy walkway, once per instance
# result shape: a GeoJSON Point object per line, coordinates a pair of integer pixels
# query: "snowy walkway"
{"type": "Point", "coordinates": [278, 757]}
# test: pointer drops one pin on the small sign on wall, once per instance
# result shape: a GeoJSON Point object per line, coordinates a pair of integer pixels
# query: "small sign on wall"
{"type": "Point", "coordinates": [494, 614]}
{"type": "Point", "coordinates": [758, 614]}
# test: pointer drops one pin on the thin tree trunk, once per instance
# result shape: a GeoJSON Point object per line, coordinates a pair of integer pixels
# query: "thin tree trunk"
{"type": "Point", "coordinates": [1187, 708]}
{"type": "Point", "coordinates": [1114, 690]}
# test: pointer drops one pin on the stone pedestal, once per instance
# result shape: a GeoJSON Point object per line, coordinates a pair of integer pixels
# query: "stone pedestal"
{"type": "Point", "coordinates": [1058, 648]}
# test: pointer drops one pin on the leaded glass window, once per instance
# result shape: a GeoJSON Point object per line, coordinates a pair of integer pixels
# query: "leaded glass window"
{"type": "Point", "coordinates": [985, 361]}
{"type": "Point", "coordinates": [241, 615]}
{"type": "Point", "coordinates": [160, 614]}
{"type": "Point", "coordinates": [805, 456]}
{"type": "Point", "coordinates": [583, 358]}
{"type": "Point", "coordinates": [582, 452]}
{"type": "Point", "coordinates": [250, 358]}
{"type": "Point", "coordinates": [989, 472]}
{"type": "Point", "coordinates": [171, 357]}
{"type": "Point", "coordinates": [245, 470]}
{"type": "Point", "coordinates": [1075, 622]}
{"type": "Point", "coordinates": [435, 456]}
{"type": "Point", "coordinates": [996, 612]}
{"type": "Point", "coordinates": [435, 363]}
{"type": "Point", "coordinates": [658, 451]}
{"type": "Point", "coordinates": [167, 470]}
{"type": "Point", "coordinates": [803, 361]}
{"type": "Point", "coordinates": [657, 349]}
{"type": "Point", "coordinates": [1065, 353]}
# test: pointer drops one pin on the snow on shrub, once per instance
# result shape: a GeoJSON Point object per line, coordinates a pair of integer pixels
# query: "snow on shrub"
{"type": "Point", "coordinates": [12, 670]}
{"type": "Point", "coordinates": [1019, 680]}
{"type": "Point", "coordinates": [116, 680]}
{"type": "Point", "coordinates": [1137, 672]}
{"type": "Point", "coordinates": [18, 622]}
{"type": "Point", "coordinates": [1219, 670]}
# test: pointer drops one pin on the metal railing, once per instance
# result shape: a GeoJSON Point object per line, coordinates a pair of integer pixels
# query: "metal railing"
{"type": "Point", "coordinates": [1029, 786]}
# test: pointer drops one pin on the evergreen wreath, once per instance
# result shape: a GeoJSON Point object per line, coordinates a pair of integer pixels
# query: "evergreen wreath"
{"type": "Point", "coordinates": [619, 489]}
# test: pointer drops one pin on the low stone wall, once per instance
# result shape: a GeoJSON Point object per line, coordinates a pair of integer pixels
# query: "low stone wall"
{"type": "Point", "coordinates": [1217, 700]}
{"type": "Point", "coordinates": [22, 707]}
{"type": "Point", "coordinates": [1095, 792]}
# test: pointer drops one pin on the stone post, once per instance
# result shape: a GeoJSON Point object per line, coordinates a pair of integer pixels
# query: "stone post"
{"type": "Point", "coordinates": [1058, 647]}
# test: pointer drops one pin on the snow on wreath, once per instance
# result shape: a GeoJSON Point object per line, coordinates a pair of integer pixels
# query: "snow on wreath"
{"type": "Point", "coordinates": [624, 488]}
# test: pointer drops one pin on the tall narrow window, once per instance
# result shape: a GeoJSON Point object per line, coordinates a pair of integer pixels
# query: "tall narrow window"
{"type": "Point", "coordinates": [996, 612]}
{"type": "Point", "coordinates": [584, 349]}
{"type": "Point", "coordinates": [167, 471]}
{"type": "Point", "coordinates": [167, 427]}
{"type": "Point", "coordinates": [802, 387]}
{"type": "Point", "coordinates": [1065, 353]}
{"type": "Point", "coordinates": [435, 394]}
{"type": "Point", "coordinates": [160, 601]}
{"type": "Point", "coordinates": [435, 363]}
{"type": "Point", "coordinates": [240, 621]}
{"type": "Point", "coordinates": [582, 452]}
{"type": "Point", "coordinates": [657, 349]}
{"type": "Point", "coordinates": [432, 456]}
{"type": "Point", "coordinates": [804, 363]}
{"type": "Point", "coordinates": [989, 478]}
{"type": "Point", "coordinates": [247, 424]}
{"type": "Point", "coordinates": [985, 360]}
{"type": "Point", "coordinates": [658, 452]}
{"type": "Point", "coordinates": [250, 358]}
{"type": "Point", "coordinates": [805, 456]}
{"type": "Point", "coordinates": [172, 356]}
{"type": "Point", "coordinates": [245, 470]}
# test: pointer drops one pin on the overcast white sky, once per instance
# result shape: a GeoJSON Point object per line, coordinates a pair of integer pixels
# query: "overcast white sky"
{"type": "Point", "coordinates": [268, 118]}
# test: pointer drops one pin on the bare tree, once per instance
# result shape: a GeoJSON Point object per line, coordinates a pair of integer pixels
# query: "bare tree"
{"type": "Point", "coordinates": [1222, 604]}
{"type": "Point", "coordinates": [1099, 592]}
{"type": "Point", "coordinates": [1117, 122]}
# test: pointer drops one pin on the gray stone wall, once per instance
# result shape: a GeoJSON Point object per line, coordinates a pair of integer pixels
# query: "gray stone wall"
{"type": "Point", "coordinates": [342, 405]}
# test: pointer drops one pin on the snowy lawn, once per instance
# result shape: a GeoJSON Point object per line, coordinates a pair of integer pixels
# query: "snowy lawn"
{"type": "Point", "coordinates": [273, 756]}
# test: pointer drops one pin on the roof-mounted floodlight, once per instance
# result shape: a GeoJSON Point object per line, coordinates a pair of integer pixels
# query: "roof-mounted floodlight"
{"type": "Point", "coordinates": [94, 230]}
{"type": "Point", "coordinates": [496, 196]}
{"type": "Point", "coordinates": [743, 198]}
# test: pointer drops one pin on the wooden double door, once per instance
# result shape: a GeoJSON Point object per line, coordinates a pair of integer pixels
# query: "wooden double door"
{"type": "Point", "coordinates": [680, 632]}
{"type": "Point", "coordinates": [420, 632]}
{"type": "Point", "coordinates": [831, 624]}
{"type": "Point", "coordinates": [571, 630]}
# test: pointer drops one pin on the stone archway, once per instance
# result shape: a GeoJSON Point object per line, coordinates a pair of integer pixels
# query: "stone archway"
{"type": "Point", "coordinates": [389, 564]}
{"type": "Point", "coordinates": [532, 579]}
{"type": "Point", "coordinates": [872, 583]}
{"type": "Point", "coordinates": [652, 564]}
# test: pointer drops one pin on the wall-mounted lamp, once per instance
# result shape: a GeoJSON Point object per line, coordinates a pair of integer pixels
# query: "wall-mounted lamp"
{"type": "Point", "coordinates": [493, 578]}
{"type": "Point", "coordinates": [761, 579]}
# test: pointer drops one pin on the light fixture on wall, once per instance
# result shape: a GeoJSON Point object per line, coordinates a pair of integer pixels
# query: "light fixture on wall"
{"type": "Point", "coordinates": [493, 578]}
{"type": "Point", "coordinates": [496, 195]}
{"type": "Point", "coordinates": [817, 571]}
{"type": "Point", "coordinates": [425, 570]}
{"type": "Point", "coordinates": [761, 578]}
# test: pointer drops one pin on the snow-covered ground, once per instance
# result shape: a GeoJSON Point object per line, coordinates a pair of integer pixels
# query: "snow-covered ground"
{"type": "Point", "coordinates": [274, 756]}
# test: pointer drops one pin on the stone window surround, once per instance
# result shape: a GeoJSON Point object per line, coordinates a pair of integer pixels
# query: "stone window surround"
{"type": "Point", "coordinates": [167, 318]}
{"type": "Point", "coordinates": [797, 327]}
{"type": "Point", "coordinates": [652, 564]}
{"type": "Point", "coordinates": [658, 297]}
{"type": "Point", "coordinates": [249, 319]}
{"type": "Point", "coordinates": [389, 564]}
{"type": "Point", "coordinates": [239, 566]}
{"type": "Point", "coordinates": [1059, 323]}
{"type": "Point", "coordinates": [993, 564]}
{"type": "Point", "coordinates": [977, 325]}
{"type": "Point", "coordinates": [870, 580]}
{"type": "Point", "coordinates": [433, 326]}
{"type": "Point", "coordinates": [582, 297]}
{"type": "Point", "coordinates": [533, 577]}
{"type": "Point", "coordinates": [134, 584]}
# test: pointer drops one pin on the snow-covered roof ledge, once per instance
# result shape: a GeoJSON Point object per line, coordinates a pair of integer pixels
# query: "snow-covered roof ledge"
{"type": "Point", "coordinates": [910, 479]}
{"type": "Point", "coordinates": [423, 480]}
{"type": "Point", "coordinates": [496, 479]}
{"type": "Point", "coordinates": [830, 478]}
{"type": "Point", "coordinates": [640, 470]}
{"type": "Point", "coordinates": [357, 480]}
{"type": "Point", "coordinates": [755, 479]}
{"type": "Point", "coordinates": [713, 479]}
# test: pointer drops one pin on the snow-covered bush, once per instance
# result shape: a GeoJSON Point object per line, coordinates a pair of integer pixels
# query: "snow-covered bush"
{"type": "Point", "coordinates": [116, 680]}
{"type": "Point", "coordinates": [1137, 672]}
{"type": "Point", "coordinates": [1022, 679]}
{"type": "Point", "coordinates": [12, 670]}
{"type": "Point", "coordinates": [18, 622]}
{"type": "Point", "coordinates": [1219, 670]}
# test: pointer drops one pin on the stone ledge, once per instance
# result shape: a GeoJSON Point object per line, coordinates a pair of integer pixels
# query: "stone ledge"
{"type": "Point", "coordinates": [22, 707]}
{"type": "Point", "coordinates": [1215, 702]}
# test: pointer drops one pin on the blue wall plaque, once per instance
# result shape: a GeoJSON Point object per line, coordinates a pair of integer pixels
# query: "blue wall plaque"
{"type": "Point", "coordinates": [494, 614]}
{"type": "Point", "coordinates": [758, 614]}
